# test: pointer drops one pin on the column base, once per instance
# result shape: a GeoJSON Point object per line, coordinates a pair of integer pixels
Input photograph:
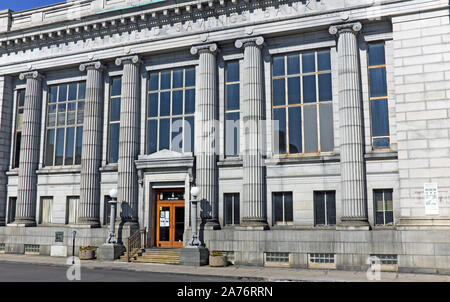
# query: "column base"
{"type": "Point", "coordinates": [352, 224]}
{"type": "Point", "coordinates": [88, 224]}
{"type": "Point", "coordinates": [254, 224]}
{"type": "Point", "coordinates": [211, 224]}
{"type": "Point", "coordinates": [23, 223]}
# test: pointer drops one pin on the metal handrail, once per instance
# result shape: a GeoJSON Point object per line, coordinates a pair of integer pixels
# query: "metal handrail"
{"type": "Point", "coordinates": [135, 242]}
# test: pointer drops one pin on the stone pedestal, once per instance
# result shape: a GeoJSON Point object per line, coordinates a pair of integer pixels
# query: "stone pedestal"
{"type": "Point", "coordinates": [110, 252]}
{"type": "Point", "coordinates": [194, 256]}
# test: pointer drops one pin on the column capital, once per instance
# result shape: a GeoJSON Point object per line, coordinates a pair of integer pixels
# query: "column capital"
{"type": "Point", "coordinates": [31, 75]}
{"type": "Point", "coordinates": [92, 65]}
{"type": "Point", "coordinates": [337, 29]}
{"type": "Point", "coordinates": [128, 60]}
{"type": "Point", "coordinates": [258, 41]}
{"type": "Point", "coordinates": [211, 48]}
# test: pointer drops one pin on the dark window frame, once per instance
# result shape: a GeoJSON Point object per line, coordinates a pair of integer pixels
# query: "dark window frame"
{"type": "Point", "coordinates": [384, 202]}
{"type": "Point", "coordinates": [329, 218]}
{"type": "Point", "coordinates": [232, 111]}
{"type": "Point", "coordinates": [235, 203]}
{"type": "Point", "coordinates": [286, 212]}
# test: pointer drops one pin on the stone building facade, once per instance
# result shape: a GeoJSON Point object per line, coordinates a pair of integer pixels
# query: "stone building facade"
{"type": "Point", "coordinates": [317, 130]}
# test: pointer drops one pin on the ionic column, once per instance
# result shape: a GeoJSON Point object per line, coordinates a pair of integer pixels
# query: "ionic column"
{"type": "Point", "coordinates": [129, 138]}
{"type": "Point", "coordinates": [29, 150]}
{"type": "Point", "coordinates": [6, 112]}
{"type": "Point", "coordinates": [353, 176]}
{"type": "Point", "coordinates": [254, 197]}
{"type": "Point", "coordinates": [206, 134]}
{"type": "Point", "coordinates": [89, 211]}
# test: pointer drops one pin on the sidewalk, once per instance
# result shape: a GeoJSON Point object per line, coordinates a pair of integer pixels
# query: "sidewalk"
{"type": "Point", "coordinates": [239, 272]}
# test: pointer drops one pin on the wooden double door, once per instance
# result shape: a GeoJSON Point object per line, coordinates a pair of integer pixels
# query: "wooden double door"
{"type": "Point", "coordinates": [170, 218]}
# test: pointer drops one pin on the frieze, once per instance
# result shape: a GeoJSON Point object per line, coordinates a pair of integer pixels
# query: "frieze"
{"type": "Point", "coordinates": [158, 25]}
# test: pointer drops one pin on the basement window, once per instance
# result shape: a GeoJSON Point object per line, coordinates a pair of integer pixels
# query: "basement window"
{"type": "Point", "coordinates": [2, 248]}
{"type": "Point", "coordinates": [388, 262]}
{"type": "Point", "coordinates": [322, 260]}
{"type": "Point", "coordinates": [32, 249]}
{"type": "Point", "coordinates": [276, 259]}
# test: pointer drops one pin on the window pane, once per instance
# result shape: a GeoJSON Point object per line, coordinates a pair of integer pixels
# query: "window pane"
{"type": "Point", "coordinates": [325, 93]}
{"type": "Point", "coordinates": [190, 77]}
{"type": "Point", "coordinates": [279, 92]}
{"type": "Point", "coordinates": [380, 117]}
{"type": "Point", "coordinates": [80, 113]}
{"type": "Point", "coordinates": [166, 79]}
{"type": "Point", "coordinates": [72, 91]}
{"type": "Point", "coordinates": [189, 101]}
{"type": "Point", "coordinates": [232, 134]}
{"type": "Point", "coordinates": [62, 96]}
{"type": "Point", "coordinates": [278, 66]}
{"type": "Point", "coordinates": [21, 98]}
{"type": "Point", "coordinates": [277, 207]}
{"type": "Point", "coordinates": [164, 134]}
{"type": "Point", "coordinates": [51, 120]}
{"type": "Point", "coordinates": [236, 213]}
{"type": "Point", "coordinates": [309, 89]}
{"type": "Point", "coordinates": [153, 81]}
{"type": "Point", "coordinates": [308, 62]}
{"type": "Point", "coordinates": [293, 64]}
{"type": "Point", "coordinates": [232, 95]}
{"type": "Point", "coordinates": [280, 130]}
{"type": "Point", "coordinates": [295, 130]}
{"type": "Point", "coordinates": [310, 116]}
{"type": "Point", "coordinates": [331, 208]}
{"type": "Point", "coordinates": [177, 102]}
{"type": "Point", "coordinates": [61, 120]}
{"type": "Point", "coordinates": [115, 109]}
{"type": "Point", "coordinates": [379, 218]}
{"type": "Point", "coordinates": [53, 94]}
{"type": "Point", "coordinates": [70, 142]}
{"type": "Point", "coordinates": [71, 113]}
{"type": "Point", "coordinates": [326, 128]}
{"type": "Point", "coordinates": [233, 71]}
{"type": "Point", "coordinates": [381, 143]}
{"type": "Point", "coordinates": [288, 207]}
{"type": "Point", "coordinates": [78, 145]}
{"type": "Point", "coordinates": [153, 105]}
{"type": "Point", "coordinates": [177, 135]}
{"type": "Point", "coordinates": [178, 78]}
{"type": "Point", "coordinates": [116, 87]}
{"type": "Point", "coordinates": [376, 54]}
{"type": "Point", "coordinates": [389, 217]}
{"type": "Point", "coordinates": [319, 208]}
{"type": "Point", "coordinates": [82, 90]}
{"type": "Point", "coordinates": [114, 132]}
{"type": "Point", "coordinates": [165, 104]}
{"type": "Point", "coordinates": [228, 209]}
{"type": "Point", "coordinates": [50, 145]}
{"type": "Point", "coordinates": [378, 84]}
{"type": "Point", "coordinates": [17, 149]}
{"type": "Point", "coordinates": [59, 146]}
{"type": "Point", "coordinates": [189, 134]}
{"type": "Point", "coordinates": [294, 91]}
{"type": "Point", "coordinates": [152, 136]}
{"type": "Point", "coordinates": [323, 58]}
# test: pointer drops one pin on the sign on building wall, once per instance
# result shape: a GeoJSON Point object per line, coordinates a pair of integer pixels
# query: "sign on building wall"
{"type": "Point", "coordinates": [431, 199]}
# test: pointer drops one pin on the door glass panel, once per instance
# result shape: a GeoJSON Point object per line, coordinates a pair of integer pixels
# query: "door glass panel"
{"type": "Point", "coordinates": [179, 224]}
{"type": "Point", "coordinates": [164, 224]}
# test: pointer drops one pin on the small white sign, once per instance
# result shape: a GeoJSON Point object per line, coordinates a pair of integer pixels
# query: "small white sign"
{"type": "Point", "coordinates": [431, 199]}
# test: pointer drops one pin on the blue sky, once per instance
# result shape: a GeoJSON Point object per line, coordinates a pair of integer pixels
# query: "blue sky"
{"type": "Point", "coordinates": [18, 5]}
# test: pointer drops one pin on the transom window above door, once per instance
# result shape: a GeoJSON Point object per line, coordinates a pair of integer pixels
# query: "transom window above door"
{"type": "Point", "coordinates": [170, 110]}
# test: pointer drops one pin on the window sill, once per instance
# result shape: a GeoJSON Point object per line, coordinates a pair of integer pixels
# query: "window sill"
{"type": "Point", "coordinates": [13, 172]}
{"type": "Point", "coordinates": [230, 162]}
{"type": "Point", "coordinates": [303, 227]}
{"type": "Point", "coordinates": [59, 170]}
{"type": "Point", "coordinates": [381, 154]}
{"type": "Point", "coordinates": [109, 168]}
{"type": "Point", "coordinates": [302, 159]}
{"type": "Point", "coordinates": [384, 227]}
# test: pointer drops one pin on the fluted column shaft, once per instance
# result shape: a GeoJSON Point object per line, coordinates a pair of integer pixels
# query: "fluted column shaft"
{"type": "Point", "coordinates": [91, 156]}
{"type": "Point", "coordinates": [29, 150]}
{"type": "Point", "coordinates": [206, 134]}
{"type": "Point", "coordinates": [129, 138]}
{"type": "Point", "coordinates": [353, 177]}
{"type": "Point", "coordinates": [254, 197]}
{"type": "Point", "coordinates": [6, 113]}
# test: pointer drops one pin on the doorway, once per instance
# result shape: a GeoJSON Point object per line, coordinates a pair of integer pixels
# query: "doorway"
{"type": "Point", "coordinates": [169, 218]}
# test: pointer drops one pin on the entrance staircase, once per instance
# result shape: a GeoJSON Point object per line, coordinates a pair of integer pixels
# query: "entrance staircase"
{"type": "Point", "coordinates": [155, 255]}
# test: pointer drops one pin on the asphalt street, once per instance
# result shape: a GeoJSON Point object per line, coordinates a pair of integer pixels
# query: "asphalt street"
{"type": "Point", "coordinates": [24, 272]}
